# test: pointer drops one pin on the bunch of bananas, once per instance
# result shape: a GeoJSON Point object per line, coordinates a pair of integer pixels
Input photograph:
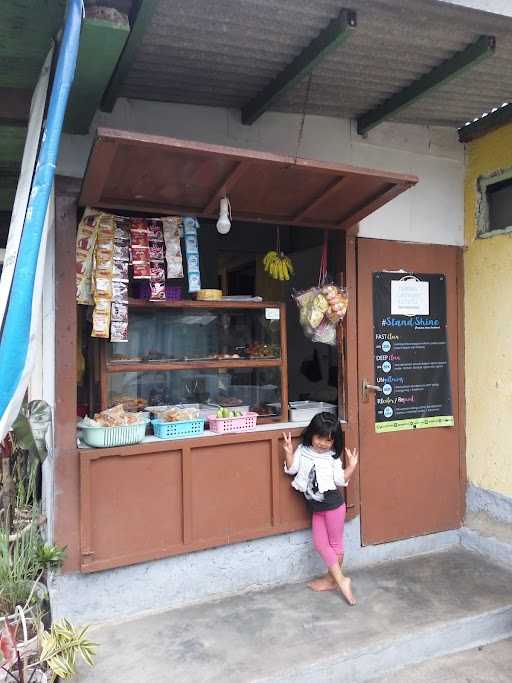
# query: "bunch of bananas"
{"type": "Point", "coordinates": [278, 265]}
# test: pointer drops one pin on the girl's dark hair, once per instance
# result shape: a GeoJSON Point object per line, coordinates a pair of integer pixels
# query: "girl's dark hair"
{"type": "Point", "coordinates": [327, 426]}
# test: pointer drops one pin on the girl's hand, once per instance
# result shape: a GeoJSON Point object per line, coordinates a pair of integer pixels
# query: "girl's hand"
{"type": "Point", "coordinates": [287, 446]}
{"type": "Point", "coordinates": [352, 457]}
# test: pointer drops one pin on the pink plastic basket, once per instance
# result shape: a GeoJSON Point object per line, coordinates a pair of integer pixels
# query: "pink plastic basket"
{"type": "Point", "coordinates": [224, 425]}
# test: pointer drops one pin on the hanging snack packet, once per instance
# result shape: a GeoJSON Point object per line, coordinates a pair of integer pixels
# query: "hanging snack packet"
{"type": "Point", "coordinates": [157, 291]}
{"type": "Point", "coordinates": [101, 319]}
{"type": "Point", "coordinates": [122, 250]}
{"type": "Point", "coordinates": [156, 250]}
{"type": "Point", "coordinates": [118, 331]}
{"type": "Point", "coordinates": [155, 230]}
{"type": "Point", "coordinates": [139, 254]}
{"type": "Point", "coordinates": [191, 244]}
{"type": "Point", "coordinates": [119, 312]}
{"type": "Point", "coordinates": [190, 225]}
{"type": "Point", "coordinates": [120, 271]}
{"type": "Point", "coordinates": [139, 235]}
{"type": "Point", "coordinates": [121, 228]}
{"type": "Point", "coordinates": [120, 292]}
{"type": "Point", "coordinates": [141, 270]}
{"type": "Point", "coordinates": [174, 267]}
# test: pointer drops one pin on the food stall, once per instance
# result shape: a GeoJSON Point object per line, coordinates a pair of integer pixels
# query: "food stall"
{"type": "Point", "coordinates": [161, 348]}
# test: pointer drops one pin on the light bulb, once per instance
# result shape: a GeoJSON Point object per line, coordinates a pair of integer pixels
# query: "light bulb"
{"type": "Point", "coordinates": [224, 224]}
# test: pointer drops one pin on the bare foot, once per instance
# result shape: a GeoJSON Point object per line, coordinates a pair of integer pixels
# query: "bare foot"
{"type": "Point", "coordinates": [346, 589]}
{"type": "Point", "coordinates": [325, 583]}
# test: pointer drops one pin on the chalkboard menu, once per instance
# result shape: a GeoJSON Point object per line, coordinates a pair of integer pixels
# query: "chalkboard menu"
{"type": "Point", "coordinates": [411, 352]}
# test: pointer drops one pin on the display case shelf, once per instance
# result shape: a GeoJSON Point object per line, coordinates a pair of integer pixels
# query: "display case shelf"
{"type": "Point", "coordinates": [165, 360]}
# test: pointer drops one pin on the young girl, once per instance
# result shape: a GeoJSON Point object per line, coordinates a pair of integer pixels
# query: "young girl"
{"type": "Point", "coordinates": [317, 466]}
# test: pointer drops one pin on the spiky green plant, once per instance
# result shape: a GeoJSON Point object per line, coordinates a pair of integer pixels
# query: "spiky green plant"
{"type": "Point", "coordinates": [61, 646]}
{"type": "Point", "coordinates": [50, 556]}
{"type": "Point", "coordinates": [19, 569]}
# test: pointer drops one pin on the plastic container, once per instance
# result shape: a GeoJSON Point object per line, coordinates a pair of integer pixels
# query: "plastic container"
{"type": "Point", "coordinates": [178, 429]}
{"type": "Point", "coordinates": [173, 293]}
{"type": "Point", "coordinates": [225, 425]}
{"type": "Point", "coordinates": [107, 437]}
{"type": "Point", "coordinates": [304, 411]}
{"type": "Point", "coordinates": [209, 295]}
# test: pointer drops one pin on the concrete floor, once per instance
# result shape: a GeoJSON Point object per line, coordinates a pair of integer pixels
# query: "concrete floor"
{"type": "Point", "coordinates": [409, 611]}
{"type": "Point", "coordinates": [486, 664]}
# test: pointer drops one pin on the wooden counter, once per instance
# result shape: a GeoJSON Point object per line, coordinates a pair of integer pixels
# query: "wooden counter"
{"type": "Point", "coordinates": [163, 498]}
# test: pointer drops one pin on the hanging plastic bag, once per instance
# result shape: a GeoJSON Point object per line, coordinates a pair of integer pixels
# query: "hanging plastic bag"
{"type": "Point", "coordinates": [321, 308]}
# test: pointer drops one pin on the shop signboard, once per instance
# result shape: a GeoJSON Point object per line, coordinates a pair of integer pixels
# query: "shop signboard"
{"type": "Point", "coordinates": [411, 352]}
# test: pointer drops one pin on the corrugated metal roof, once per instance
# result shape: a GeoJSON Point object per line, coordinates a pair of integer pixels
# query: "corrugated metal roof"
{"type": "Point", "coordinates": [222, 53]}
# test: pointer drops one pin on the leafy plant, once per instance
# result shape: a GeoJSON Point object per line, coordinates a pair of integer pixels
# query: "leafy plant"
{"type": "Point", "coordinates": [50, 556]}
{"type": "Point", "coordinates": [62, 644]}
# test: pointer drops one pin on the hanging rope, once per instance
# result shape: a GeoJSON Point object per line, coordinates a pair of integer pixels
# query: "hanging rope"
{"type": "Point", "coordinates": [303, 119]}
{"type": "Point", "coordinates": [322, 276]}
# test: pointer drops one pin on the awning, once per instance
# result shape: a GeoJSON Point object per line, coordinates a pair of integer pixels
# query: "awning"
{"type": "Point", "coordinates": [160, 175]}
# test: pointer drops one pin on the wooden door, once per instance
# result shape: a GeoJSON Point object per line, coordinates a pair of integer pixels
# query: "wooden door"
{"type": "Point", "coordinates": [410, 481]}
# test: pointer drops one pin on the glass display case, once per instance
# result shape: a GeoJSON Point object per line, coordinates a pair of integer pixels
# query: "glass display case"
{"type": "Point", "coordinates": [209, 353]}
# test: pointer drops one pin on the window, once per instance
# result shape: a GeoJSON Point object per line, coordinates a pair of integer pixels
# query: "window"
{"type": "Point", "coordinates": [494, 211]}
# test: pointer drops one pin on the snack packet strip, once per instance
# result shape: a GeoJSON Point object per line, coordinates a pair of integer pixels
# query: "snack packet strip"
{"type": "Point", "coordinates": [85, 245]}
{"type": "Point", "coordinates": [192, 249]}
{"type": "Point", "coordinates": [171, 231]}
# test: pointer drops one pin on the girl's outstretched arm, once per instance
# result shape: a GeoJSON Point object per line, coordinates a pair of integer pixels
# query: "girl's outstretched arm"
{"type": "Point", "coordinates": [291, 462]}
{"type": "Point", "coordinates": [352, 459]}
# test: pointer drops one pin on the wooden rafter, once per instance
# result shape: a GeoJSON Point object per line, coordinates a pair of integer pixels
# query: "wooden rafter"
{"type": "Point", "coordinates": [224, 188]}
{"type": "Point", "coordinates": [320, 198]}
{"type": "Point", "coordinates": [327, 40]}
{"type": "Point", "coordinates": [453, 67]}
{"type": "Point", "coordinates": [142, 18]}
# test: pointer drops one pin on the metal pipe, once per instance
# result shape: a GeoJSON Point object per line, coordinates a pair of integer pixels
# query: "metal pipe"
{"type": "Point", "coordinates": [14, 341]}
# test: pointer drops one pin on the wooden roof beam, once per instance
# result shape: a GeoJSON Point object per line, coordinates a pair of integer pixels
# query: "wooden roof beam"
{"type": "Point", "coordinates": [142, 15]}
{"type": "Point", "coordinates": [337, 31]}
{"type": "Point", "coordinates": [453, 67]}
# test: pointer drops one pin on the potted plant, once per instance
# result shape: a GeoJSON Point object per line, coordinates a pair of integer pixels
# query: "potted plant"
{"type": "Point", "coordinates": [24, 562]}
{"type": "Point", "coordinates": [28, 652]}
{"type": "Point", "coordinates": [47, 656]}
{"type": "Point", "coordinates": [19, 651]}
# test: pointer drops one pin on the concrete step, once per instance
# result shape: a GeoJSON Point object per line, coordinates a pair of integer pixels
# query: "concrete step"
{"type": "Point", "coordinates": [480, 665]}
{"type": "Point", "coordinates": [489, 536]}
{"type": "Point", "coordinates": [409, 611]}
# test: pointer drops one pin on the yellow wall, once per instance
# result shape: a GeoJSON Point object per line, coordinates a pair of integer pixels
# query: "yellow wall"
{"type": "Point", "coordinates": [488, 314]}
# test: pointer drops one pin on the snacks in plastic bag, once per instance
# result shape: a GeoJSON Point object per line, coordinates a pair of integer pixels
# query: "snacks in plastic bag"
{"type": "Point", "coordinates": [114, 417]}
{"type": "Point", "coordinates": [320, 310]}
